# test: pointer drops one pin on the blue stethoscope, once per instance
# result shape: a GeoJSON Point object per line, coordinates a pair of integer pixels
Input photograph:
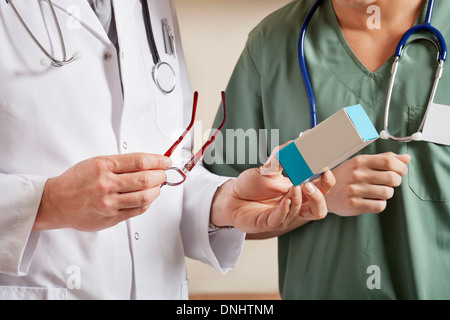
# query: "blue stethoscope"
{"type": "Point", "coordinates": [426, 26]}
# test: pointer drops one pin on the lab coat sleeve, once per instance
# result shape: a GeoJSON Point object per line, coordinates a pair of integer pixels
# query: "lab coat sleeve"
{"type": "Point", "coordinates": [219, 249]}
{"type": "Point", "coordinates": [19, 202]}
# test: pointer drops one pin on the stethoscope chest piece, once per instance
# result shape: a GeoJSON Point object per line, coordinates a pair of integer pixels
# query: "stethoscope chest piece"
{"type": "Point", "coordinates": [165, 78]}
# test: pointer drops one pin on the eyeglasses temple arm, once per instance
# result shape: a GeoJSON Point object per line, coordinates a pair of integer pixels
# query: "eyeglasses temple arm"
{"type": "Point", "coordinates": [194, 110]}
{"type": "Point", "coordinates": [191, 163]}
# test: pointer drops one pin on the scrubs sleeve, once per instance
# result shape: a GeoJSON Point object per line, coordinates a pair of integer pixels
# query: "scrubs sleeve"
{"type": "Point", "coordinates": [234, 150]}
{"type": "Point", "coordinates": [19, 202]}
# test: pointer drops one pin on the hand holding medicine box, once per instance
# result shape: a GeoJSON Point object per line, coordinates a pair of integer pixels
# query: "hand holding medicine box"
{"type": "Point", "coordinates": [327, 145]}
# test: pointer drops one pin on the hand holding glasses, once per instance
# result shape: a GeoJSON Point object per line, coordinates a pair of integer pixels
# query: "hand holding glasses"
{"type": "Point", "coordinates": [196, 157]}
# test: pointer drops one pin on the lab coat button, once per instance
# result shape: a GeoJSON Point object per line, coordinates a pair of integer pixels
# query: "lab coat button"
{"type": "Point", "coordinates": [107, 56]}
{"type": "Point", "coordinates": [125, 145]}
{"type": "Point", "coordinates": [136, 236]}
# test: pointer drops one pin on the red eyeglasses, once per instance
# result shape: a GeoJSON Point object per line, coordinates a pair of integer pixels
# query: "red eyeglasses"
{"type": "Point", "coordinates": [196, 157]}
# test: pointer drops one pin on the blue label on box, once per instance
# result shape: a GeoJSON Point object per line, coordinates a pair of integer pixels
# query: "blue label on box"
{"type": "Point", "coordinates": [362, 122]}
{"type": "Point", "coordinates": [294, 164]}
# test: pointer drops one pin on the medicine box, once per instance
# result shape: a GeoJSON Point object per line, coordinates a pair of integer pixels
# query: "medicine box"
{"type": "Point", "coordinates": [327, 145]}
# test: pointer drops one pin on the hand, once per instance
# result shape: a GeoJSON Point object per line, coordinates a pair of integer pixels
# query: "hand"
{"type": "Point", "coordinates": [365, 183]}
{"type": "Point", "coordinates": [269, 203]}
{"type": "Point", "coordinates": [98, 193]}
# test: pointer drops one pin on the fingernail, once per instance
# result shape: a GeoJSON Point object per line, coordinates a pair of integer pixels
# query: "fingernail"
{"type": "Point", "coordinates": [297, 192]}
{"type": "Point", "coordinates": [267, 164]}
{"type": "Point", "coordinates": [288, 203]}
{"type": "Point", "coordinates": [168, 162]}
{"type": "Point", "coordinates": [310, 188]}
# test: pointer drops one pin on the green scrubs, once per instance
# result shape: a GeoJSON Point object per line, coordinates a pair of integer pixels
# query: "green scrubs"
{"type": "Point", "coordinates": [402, 253]}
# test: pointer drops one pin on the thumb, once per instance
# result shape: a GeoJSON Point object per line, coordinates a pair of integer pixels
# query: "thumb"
{"type": "Point", "coordinates": [272, 165]}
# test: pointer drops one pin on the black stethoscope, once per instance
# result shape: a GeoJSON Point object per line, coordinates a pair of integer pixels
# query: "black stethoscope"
{"type": "Point", "coordinates": [163, 73]}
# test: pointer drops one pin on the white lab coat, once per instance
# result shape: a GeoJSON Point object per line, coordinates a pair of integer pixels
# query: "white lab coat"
{"type": "Point", "coordinates": [52, 118]}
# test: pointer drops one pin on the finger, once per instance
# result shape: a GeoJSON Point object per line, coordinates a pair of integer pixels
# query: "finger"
{"type": "Point", "coordinates": [126, 214]}
{"type": "Point", "coordinates": [385, 178]}
{"type": "Point", "coordinates": [272, 165]}
{"type": "Point", "coordinates": [388, 162]}
{"type": "Point", "coordinates": [138, 199]}
{"type": "Point", "coordinates": [295, 194]}
{"type": "Point", "coordinates": [367, 205]}
{"type": "Point", "coordinates": [326, 181]}
{"type": "Point", "coordinates": [134, 162]}
{"type": "Point", "coordinates": [376, 192]}
{"type": "Point", "coordinates": [137, 181]}
{"type": "Point", "coordinates": [278, 216]}
{"type": "Point", "coordinates": [405, 158]}
{"type": "Point", "coordinates": [316, 200]}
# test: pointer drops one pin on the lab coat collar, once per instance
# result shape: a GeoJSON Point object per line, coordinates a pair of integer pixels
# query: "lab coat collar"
{"type": "Point", "coordinates": [88, 19]}
{"type": "Point", "coordinates": [83, 13]}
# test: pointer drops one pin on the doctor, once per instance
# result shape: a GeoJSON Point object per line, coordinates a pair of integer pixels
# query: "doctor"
{"type": "Point", "coordinates": [82, 213]}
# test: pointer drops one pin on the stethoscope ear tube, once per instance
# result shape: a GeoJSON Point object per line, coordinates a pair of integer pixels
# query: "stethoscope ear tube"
{"type": "Point", "coordinates": [49, 60]}
{"type": "Point", "coordinates": [149, 31]}
{"type": "Point", "coordinates": [303, 67]}
{"type": "Point", "coordinates": [430, 29]}
{"type": "Point", "coordinates": [442, 56]}
{"type": "Point", "coordinates": [163, 73]}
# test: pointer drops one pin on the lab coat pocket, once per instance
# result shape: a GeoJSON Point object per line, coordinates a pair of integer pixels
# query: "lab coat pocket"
{"type": "Point", "coordinates": [429, 171]}
{"type": "Point", "coordinates": [168, 108]}
{"type": "Point", "coordinates": [29, 293]}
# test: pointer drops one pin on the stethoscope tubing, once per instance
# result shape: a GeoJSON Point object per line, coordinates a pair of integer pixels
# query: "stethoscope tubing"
{"type": "Point", "coordinates": [52, 60]}
{"type": "Point", "coordinates": [150, 34]}
{"type": "Point", "coordinates": [304, 68]}
{"type": "Point", "coordinates": [159, 64]}
{"type": "Point", "coordinates": [164, 85]}
{"type": "Point", "coordinates": [442, 56]}
{"type": "Point", "coordinates": [427, 27]}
